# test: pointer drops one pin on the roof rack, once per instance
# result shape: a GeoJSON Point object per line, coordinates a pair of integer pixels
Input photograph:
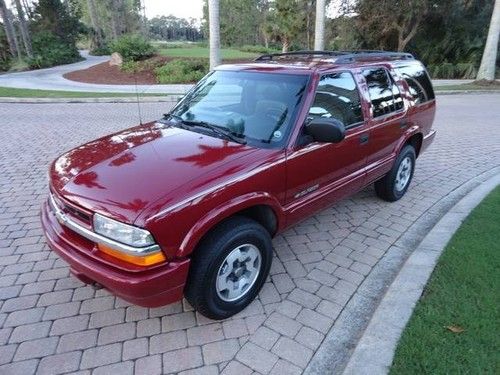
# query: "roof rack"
{"type": "Point", "coordinates": [341, 57]}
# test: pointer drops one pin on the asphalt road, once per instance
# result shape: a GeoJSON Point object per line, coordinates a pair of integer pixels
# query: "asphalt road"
{"type": "Point", "coordinates": [48, 320]}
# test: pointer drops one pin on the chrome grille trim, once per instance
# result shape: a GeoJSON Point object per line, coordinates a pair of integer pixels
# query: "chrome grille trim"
{"type": "Point", "coordinates": [95, 237]}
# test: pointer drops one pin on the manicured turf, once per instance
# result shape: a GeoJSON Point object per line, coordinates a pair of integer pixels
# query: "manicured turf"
{"type": "Point", "coordinates": [29, 93]}
{"type": "Point", "coordinates": [463, 294]}
{"type": "Point", "coordinates": [202, 52]}
{"type": "Point", "coordinates": [467, 87]}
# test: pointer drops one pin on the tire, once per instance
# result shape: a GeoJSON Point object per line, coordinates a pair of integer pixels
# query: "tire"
{"type": "Point", "coordinates": [237, 250]}
{"type": "Point", "coordinates": [395, 183]}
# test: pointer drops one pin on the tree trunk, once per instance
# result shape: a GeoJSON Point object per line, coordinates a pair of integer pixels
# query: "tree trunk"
{"type": "Point", "coordinates": [9, 31]}
{"type": "Point", "coordinates": [488, 61]}
{"type": "Point", "coordinates": [143, 19]}
{"type": "Point", "coordinates": [308, 28]}
{"type": "Point", "coordinates": [319, 28]}
{"type": "Point", "coordinates": [285, 44]}
{"type": "Point", "coordinates": [94, 19]}
{"type": "Point", "coordinates": [23, 25]}
{"type": "Point", "coordinates": [27, 9]}
{"type": "Point", "coordinates": [117, 18]}
{"type": "Point", "coordinates": [402, 40]}
{"type": "Point", "coordinates": [214, 32]}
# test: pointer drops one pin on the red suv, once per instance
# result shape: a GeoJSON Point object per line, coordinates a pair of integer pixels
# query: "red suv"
{"type": "Point", "coordinates": [187, 205]}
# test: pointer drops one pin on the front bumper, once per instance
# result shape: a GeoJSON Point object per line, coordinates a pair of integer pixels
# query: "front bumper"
{"type": "Point", "coordinates": [150, 287]}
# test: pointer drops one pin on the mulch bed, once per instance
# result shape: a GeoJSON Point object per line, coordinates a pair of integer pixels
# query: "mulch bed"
{"type": "Point", "coordinates": [105, 74]}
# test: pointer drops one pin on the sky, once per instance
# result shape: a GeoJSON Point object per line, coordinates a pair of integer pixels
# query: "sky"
{"type": "Point", "coordinates": [194, 8]}
{"type": "Point", "coordinates": [178, 8]}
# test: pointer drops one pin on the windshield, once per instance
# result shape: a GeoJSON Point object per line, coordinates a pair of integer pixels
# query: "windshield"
{"type": "Point", "coordinates": [258, 107]}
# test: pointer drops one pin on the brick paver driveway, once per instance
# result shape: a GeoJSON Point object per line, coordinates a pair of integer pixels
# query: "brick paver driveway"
{"type": "Point", "coordinates": [50, 322]}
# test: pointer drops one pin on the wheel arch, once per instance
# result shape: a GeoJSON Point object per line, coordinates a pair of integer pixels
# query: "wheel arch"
{"type": "Point", "coordinates": [415, 140]}
{"type": "Point", "coordinates": [265, 210]}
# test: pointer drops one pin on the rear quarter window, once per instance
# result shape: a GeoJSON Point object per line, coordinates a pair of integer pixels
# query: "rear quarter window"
{"type": "Point", "coordinates": [418, 81]}
{"type": "Point", "coordinates": [384, 94]}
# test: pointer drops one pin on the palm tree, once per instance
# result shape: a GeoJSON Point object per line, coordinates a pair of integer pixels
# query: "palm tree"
{"type": "Point", "coordinates": [23, 25]}
{"type": "Point", "coordinates": [214, 32]}
{"type": "Point", "coordinates": [488, 62]}
{"type": "Point", "coordinates": [319, 29]}
{"type": "Point", "coordinates": [9, 31]}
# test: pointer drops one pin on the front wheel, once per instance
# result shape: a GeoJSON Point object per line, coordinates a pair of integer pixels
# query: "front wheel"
{"type": "Point", "coordinates": [395, 183]}
{"type": "Point", "coordinates": [229, 268]}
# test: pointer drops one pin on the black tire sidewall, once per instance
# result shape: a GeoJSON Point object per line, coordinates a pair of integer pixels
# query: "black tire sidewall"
{"type": "Point", "coordinates": [407, 151]}
{"type": "Point", "coordinates": [246, 237]}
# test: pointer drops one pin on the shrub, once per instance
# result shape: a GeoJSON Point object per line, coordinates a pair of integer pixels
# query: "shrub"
{"type": "Point", "coordinates": [50, 50]}
{"type": "Point", "coordinates": [182, 71]}
{"type": "Point", "coordinates": [100, 51]}
{"type": "Point", "coordinates": [453, 71]}
{"type": "Point", "coordinates": [5, 57]}
{"type": "Point", "coordinates": [132, 47]}
{"type": "Point", "coordinates": [142, 66]}
{"type": "Point", "coordinates": [257, 49]}
{"type": "Point", "coordinates": [4, 64]}
{"type": "Point", "coordinates": [130, 67]}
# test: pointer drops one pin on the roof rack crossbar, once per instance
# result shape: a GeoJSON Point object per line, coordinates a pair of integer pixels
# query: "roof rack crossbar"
{"type": "Point", "coordinates": [351, 56]}
{"type": "Point", "coordinates": [271, 56]}
{"type": "Point", "coordinates": [341, 57]}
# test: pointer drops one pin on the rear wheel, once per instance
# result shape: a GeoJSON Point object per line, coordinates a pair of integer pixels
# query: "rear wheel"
{"type": "Point", "coordinates": [229, 267]}
{"type": "Point", "coordinates": [395, 183]}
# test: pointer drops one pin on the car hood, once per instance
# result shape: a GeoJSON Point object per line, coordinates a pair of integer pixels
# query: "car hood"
{"type": "Point", "coordinates": [121, 174]}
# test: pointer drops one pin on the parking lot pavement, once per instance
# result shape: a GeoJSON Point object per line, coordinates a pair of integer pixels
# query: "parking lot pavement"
{"type": "Point", "coordinates": [49, 321]}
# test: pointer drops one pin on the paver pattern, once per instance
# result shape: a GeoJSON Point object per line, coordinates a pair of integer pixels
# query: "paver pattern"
{"type": "Point", "coordinates": [50, 322]}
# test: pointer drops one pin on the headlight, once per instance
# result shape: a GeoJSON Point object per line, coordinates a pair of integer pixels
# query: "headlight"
{"type": "Point", "coordinates": [123, 233]}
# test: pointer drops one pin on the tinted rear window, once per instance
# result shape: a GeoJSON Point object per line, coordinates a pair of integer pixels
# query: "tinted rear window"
{"type": "Point", "coordinates": [418, 81]}
{"type": "Point", "coordinates": [384, 94]}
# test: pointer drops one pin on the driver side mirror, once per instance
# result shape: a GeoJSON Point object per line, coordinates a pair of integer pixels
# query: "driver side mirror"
{"type": "Point", "coordinates": [327, 130]}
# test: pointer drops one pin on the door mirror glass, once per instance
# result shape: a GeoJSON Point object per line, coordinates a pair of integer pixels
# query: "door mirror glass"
{"type": "Point", "coordinates": [327, 130]}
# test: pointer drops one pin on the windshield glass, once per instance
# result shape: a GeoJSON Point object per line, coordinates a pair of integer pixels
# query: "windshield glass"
{"type": "Point", "coordinates": [259, 107]}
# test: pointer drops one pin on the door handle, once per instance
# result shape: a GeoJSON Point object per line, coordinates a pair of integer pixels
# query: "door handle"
{"type": "Point", "coordinates": [363, 139]}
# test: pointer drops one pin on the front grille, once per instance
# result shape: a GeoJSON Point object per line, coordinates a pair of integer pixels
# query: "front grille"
{"type": "Point", "coordinates": [72, 211]}
{"type": "Point", "coordinates": [77, 214]}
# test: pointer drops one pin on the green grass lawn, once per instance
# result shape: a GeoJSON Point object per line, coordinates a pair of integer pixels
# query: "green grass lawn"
{"type": "Point", "coordinates": [202, 52]}
{"type": "Point", "coordinates": [468, 86]}
{"type": "Point", "coordinates": [463, 293]}
{"type": "Point", "coordinates": [29, 93]}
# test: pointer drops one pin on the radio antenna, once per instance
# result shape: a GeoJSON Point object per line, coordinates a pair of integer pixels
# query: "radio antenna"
{"type": "Point", "coordinates": [138, 101]}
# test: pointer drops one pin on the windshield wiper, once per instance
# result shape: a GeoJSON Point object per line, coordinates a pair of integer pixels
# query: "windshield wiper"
{"type": "Point", "coordinates": [217, 129]}
{"type": "Point", "coordinates": [226, 133]}
{"type": "Point", "coordinates": [172, 116]}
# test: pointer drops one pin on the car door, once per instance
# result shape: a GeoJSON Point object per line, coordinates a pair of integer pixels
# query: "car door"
{"type": "Point", "coordinates": [387, 120]}
{"type": "Point", "coordinates": [320, 173]}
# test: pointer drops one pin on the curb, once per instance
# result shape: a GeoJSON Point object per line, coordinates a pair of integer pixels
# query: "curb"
{"type": "Point", "coordinates": [375, 350]}
{"type": "Point", "coordinates": [455, 92]}
{"type": "Point", "coordinates": [343, 340]}
{"type": "Point", "coordinates": [131, 99]}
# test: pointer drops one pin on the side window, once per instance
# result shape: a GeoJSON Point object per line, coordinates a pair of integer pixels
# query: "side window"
{"type": "Point", "coordinates": [418, 81]}
{"type": "Point", "coordinates": [384, 94]}
{"type": "Point", "coordinates": [337, 97]}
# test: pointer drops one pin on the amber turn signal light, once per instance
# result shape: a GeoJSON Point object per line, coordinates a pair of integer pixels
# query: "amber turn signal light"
{"type": "Point", "coordinates": [139, 260]}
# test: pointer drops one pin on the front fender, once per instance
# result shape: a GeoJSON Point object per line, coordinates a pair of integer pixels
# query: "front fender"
{"type": "Point", "coordinates": [225, 210]}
